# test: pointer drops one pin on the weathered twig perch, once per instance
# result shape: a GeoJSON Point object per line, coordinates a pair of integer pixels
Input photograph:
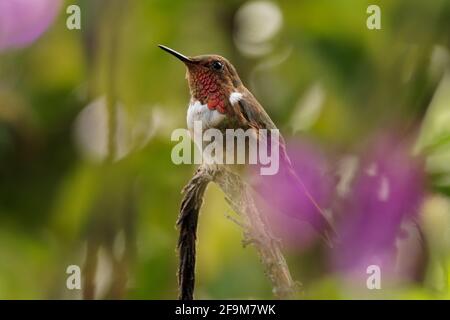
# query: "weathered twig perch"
{"type": "Point", "coordinates": [255, 230]}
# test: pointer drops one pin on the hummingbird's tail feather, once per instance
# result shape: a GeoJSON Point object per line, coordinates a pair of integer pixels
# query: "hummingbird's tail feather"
{"type": "Point", "coordinates": [329, 236]}
{"type": "Point", "coordinates": [319, 220]}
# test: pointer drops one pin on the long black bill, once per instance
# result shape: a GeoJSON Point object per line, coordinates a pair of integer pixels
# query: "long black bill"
{"type": "Point", "coordinates": [176, 54]}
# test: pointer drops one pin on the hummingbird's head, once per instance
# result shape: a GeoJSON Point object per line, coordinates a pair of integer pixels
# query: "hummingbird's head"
{"type": "Point", "coordinates": [211, 78]}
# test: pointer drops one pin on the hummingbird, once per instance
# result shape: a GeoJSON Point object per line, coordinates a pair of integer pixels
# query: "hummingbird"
{"type": "Point", "coordinates": [220, 100]}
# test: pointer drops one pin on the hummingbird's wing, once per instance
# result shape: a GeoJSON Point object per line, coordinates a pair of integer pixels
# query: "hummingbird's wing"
{"type": "Point", "coordinates": [249, 111]}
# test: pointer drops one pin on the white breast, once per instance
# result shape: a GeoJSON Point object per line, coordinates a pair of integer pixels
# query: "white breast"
{"type": "Point", "coordinates": [200, 112]}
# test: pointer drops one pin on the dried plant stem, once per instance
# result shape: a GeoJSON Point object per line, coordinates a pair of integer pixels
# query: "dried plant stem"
{"type": "Point", "coordinates": [187, 223]}
{"type": "Point", "coordinates": [255, 230]}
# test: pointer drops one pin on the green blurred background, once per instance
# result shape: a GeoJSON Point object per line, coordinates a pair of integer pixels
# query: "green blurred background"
{"type": "Point", "coordinates": [313, 64]}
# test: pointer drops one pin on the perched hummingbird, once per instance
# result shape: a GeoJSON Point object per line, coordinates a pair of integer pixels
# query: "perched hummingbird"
{"type": "Point", "coordinates": [220, 100]}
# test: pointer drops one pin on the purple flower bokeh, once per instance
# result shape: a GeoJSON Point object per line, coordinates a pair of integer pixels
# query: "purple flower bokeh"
{"type": "Point", "coordinates": [23, 21]}
{"type": "Point", "coordinates": [388, 191]}
{"type": "Point", "coordinates": [288, 205]}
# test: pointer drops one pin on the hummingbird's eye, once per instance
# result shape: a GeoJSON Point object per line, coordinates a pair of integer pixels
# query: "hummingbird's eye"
{"type": "Point", "coordinates": [217, 65]}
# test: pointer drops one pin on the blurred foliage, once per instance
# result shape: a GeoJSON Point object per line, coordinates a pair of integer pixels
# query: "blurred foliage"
{"type": "Point", "coordinates": [55, 195]}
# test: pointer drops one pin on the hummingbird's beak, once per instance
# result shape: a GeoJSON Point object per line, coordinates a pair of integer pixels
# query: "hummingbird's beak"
{"type": "Point", "coordinates": [180, 56]}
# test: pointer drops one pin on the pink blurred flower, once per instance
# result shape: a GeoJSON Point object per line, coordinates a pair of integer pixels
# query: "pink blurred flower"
{"type": "Point", "coordinates": [24, 21]}
{"type": "Point", "coordinates": [288, 207]}
{"type": "Point", "coordinates": [387, 192]}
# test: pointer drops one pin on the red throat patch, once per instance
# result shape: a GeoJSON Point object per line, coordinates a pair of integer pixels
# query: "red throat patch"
{"type": "Point", "coordinates": [205, 88]}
